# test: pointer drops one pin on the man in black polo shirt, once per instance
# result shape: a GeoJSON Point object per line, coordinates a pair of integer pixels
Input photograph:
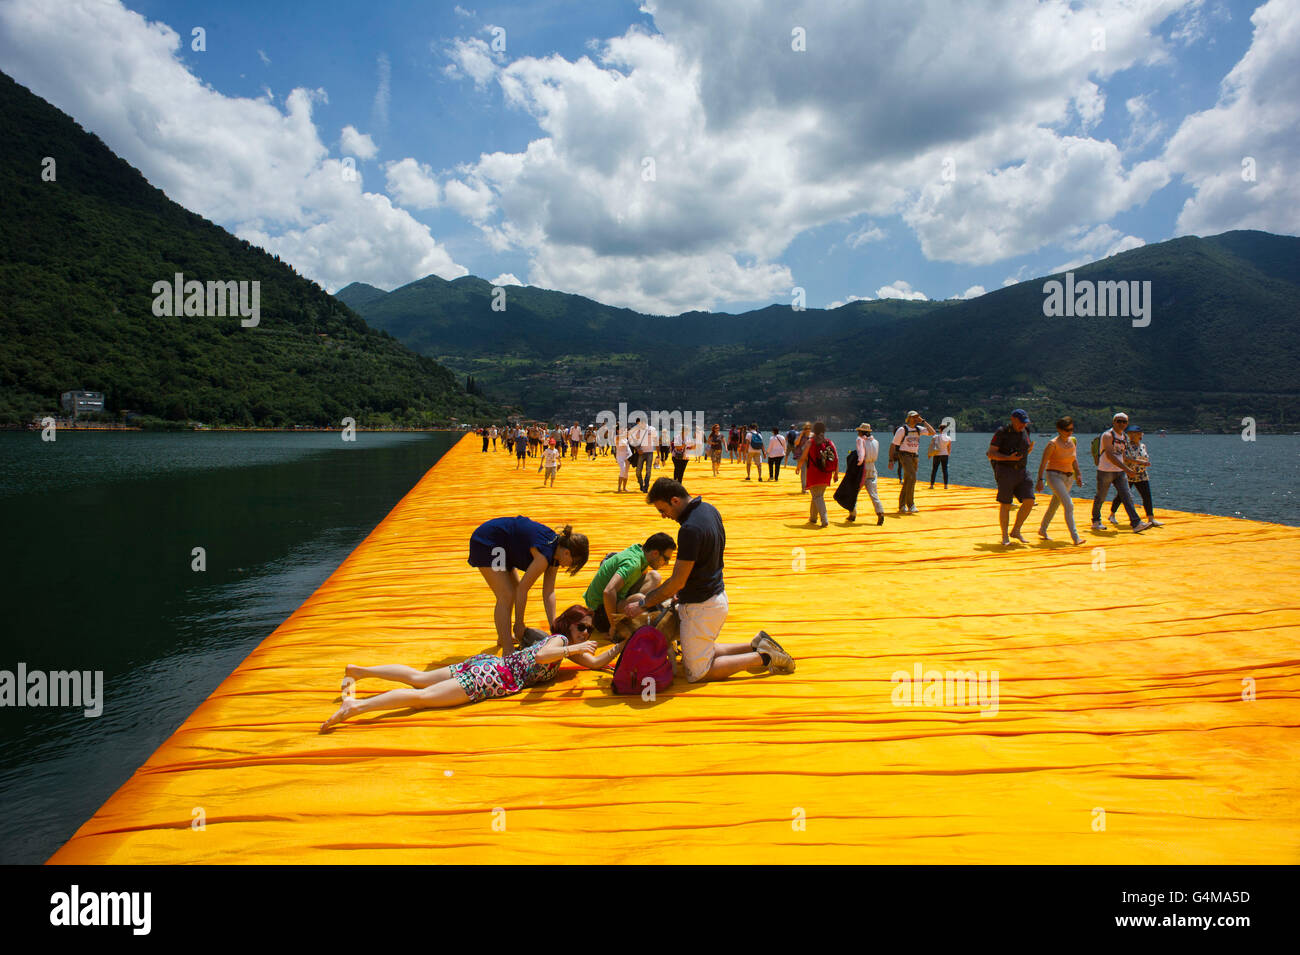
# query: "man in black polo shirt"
{"type": "Point", "coordinates": [1009, 451]}
{"type": "Point", "coordinates": [696, 581]}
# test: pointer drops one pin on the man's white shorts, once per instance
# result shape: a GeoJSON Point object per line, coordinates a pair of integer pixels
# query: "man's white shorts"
{"type": "Point", "coordinates": [701, 624]}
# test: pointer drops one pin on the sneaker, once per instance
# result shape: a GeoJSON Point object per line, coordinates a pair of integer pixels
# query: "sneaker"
{"type": "Point", "coordinates": [781, 662]}
{"type": "Point", "coordinates": [902, 510]}
{"type": "Point", "coordinates": [1144, 526]}
{"type": "Point", "coordinates": [1113, 519]}
{"type": "Point", "coordinates": [853, 516]}
{"type": "Point", "coordinates": [1155, 523]}
{"type": "Point", "coordinates": [1098, 526]}
{"type": "Point", "coordinates": [912, 510]}
{"type": "Point", "coordinates": [880, 519]}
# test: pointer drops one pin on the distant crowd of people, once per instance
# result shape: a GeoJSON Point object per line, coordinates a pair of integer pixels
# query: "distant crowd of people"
{"type": "Point", "coordinates": [1121, 458]}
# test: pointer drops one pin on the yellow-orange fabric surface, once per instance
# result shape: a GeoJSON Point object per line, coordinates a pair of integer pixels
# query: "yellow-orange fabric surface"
{"type": "Point", "coordinates": [1146, 708]}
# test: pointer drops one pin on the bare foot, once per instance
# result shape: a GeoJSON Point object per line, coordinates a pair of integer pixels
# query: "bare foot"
{"type": "Point", "coordinates": [344, 712]}
{"type": "Point", "coordinates": [1016, 535]}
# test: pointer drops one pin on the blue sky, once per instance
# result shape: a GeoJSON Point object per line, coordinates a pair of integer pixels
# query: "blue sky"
{"type": "Point", "coordinates": [905, 149]}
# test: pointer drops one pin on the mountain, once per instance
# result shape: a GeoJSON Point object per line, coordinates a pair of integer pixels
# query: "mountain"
{"type": "Point", "coordinates": [440, 317]}
{"type": "Point", "coordinates": [83, 241]}
{"type": "Point", "coordinates": [358, 294]}
{"type": "Point", "coordinates": [1220, 345]}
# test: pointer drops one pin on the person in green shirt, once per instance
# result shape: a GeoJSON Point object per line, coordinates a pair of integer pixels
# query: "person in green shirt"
{"type": "Point", "coordinates": [634, 570]}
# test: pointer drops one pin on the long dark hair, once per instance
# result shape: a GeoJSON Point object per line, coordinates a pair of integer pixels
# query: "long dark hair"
{"type": "Point", "coordinates": [576, 544]}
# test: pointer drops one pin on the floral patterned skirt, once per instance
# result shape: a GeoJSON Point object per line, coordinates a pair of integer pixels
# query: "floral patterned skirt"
{"type": "Point", "coordinates": [485, 676]}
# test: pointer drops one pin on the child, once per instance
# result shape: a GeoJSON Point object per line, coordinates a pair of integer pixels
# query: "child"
{"type": "Point", "coordinates": [551, 464]}
{"type": "Point", "coordinates": [621, 454]}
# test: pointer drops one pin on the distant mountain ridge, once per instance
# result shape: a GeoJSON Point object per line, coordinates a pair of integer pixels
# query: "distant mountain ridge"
{"type": "Point", "coordinates": [1221, 345]}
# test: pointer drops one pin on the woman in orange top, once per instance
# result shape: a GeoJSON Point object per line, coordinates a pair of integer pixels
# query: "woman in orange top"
{"type": "Point", "coordinates": [1060, 461]}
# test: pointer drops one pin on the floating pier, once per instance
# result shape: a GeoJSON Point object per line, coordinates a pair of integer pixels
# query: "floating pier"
{"type": "Point", "coordinates": [1147, 706]}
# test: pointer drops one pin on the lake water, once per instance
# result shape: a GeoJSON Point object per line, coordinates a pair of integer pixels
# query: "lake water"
{"type": "Point", "coordinates": [96, 575]}
{"type": "Point", "coordinates": [96, 571]}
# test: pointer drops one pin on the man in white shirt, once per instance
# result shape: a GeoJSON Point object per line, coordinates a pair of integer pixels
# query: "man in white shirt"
{"type": "Point", "coordinates": [905, 448]}
{"type": "Point", "coordinates": [868, 449]}
{"type": "Point", "coordinates": [643, 439]}
{"type": "Point", "coordinates": [1113, 467]}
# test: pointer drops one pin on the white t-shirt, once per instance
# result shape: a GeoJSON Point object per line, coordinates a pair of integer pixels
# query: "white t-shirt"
{"type": "Point", "coordinates": [912, 441]}
{"type": "Point", "coordinates": [940, 442]}
{"type": "Point", "coordinates": [776, 446]}
{"type": "Point", "coordinates": [621, 450]}
{"type": "Point", "coordinates": [1120, 445]}
{"type": "Point", "coordinates": [549, 457]}
{"type": "Point", "coordinates": [648, 439]}
{"type": "Point", "coordinates": [575, 434]}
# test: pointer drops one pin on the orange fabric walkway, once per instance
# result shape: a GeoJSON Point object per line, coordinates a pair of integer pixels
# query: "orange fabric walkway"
{"type": "Point", "coordinates": [1120, 692]}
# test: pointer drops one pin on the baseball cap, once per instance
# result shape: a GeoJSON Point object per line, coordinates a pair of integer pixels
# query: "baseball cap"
{"type": "Point", "coordinates": [1020, 414]}
{"type": "Point", "coordinates": [1134, 427]}
{"type": "Point", "coordinates": [914, 414]}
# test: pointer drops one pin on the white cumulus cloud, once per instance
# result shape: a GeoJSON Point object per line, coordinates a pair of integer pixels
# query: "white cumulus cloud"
{"type": "Point", "coordinates": [900, 289]}
{"type": "Point", "coordinates": [1240, 156]}
{"type": "Point", "coordinates": [357, 144]}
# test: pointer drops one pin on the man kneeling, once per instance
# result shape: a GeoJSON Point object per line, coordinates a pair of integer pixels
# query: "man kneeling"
{"type": "Point", "coordinates": [696, 581]}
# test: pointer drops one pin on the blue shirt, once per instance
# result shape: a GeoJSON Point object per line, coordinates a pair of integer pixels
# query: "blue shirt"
{"type": "Point", "coordinates": [702, 540]}
{"type": "Point", "coordinates": [516, 536]}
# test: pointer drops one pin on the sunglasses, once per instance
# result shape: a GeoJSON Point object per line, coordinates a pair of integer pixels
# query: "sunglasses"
{"type": "Point", "coordinates": [584, 627]}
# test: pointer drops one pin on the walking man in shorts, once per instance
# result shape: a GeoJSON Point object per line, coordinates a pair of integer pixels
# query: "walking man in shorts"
{"type": "Point", "coordinates": [1009, 451]}
{"type": "Point", "coordinates": [696, 582]}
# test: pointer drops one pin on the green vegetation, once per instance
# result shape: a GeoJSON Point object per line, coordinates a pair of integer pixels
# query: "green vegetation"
{"type": "Point", "coordinates": [1221, 345]}
{"type": "Point", "coordinates": [78, 259]}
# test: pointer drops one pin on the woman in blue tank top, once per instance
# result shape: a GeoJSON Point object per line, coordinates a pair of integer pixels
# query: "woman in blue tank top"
{"type": "Point", "coordinates": [505, 546]}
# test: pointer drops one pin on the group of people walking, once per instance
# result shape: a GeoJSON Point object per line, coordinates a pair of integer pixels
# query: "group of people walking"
{"type": "Point", "coordinates": [1121, 458]}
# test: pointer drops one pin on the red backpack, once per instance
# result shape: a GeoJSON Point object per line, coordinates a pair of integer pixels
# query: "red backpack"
{"type": "Point", "coordinates": [644, 655]}
{"type": "Point", "coordinates": [825, 456]}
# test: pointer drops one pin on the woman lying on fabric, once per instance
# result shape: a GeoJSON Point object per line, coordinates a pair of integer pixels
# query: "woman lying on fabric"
{"type": "Point", "coordinates": [482, 676]}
